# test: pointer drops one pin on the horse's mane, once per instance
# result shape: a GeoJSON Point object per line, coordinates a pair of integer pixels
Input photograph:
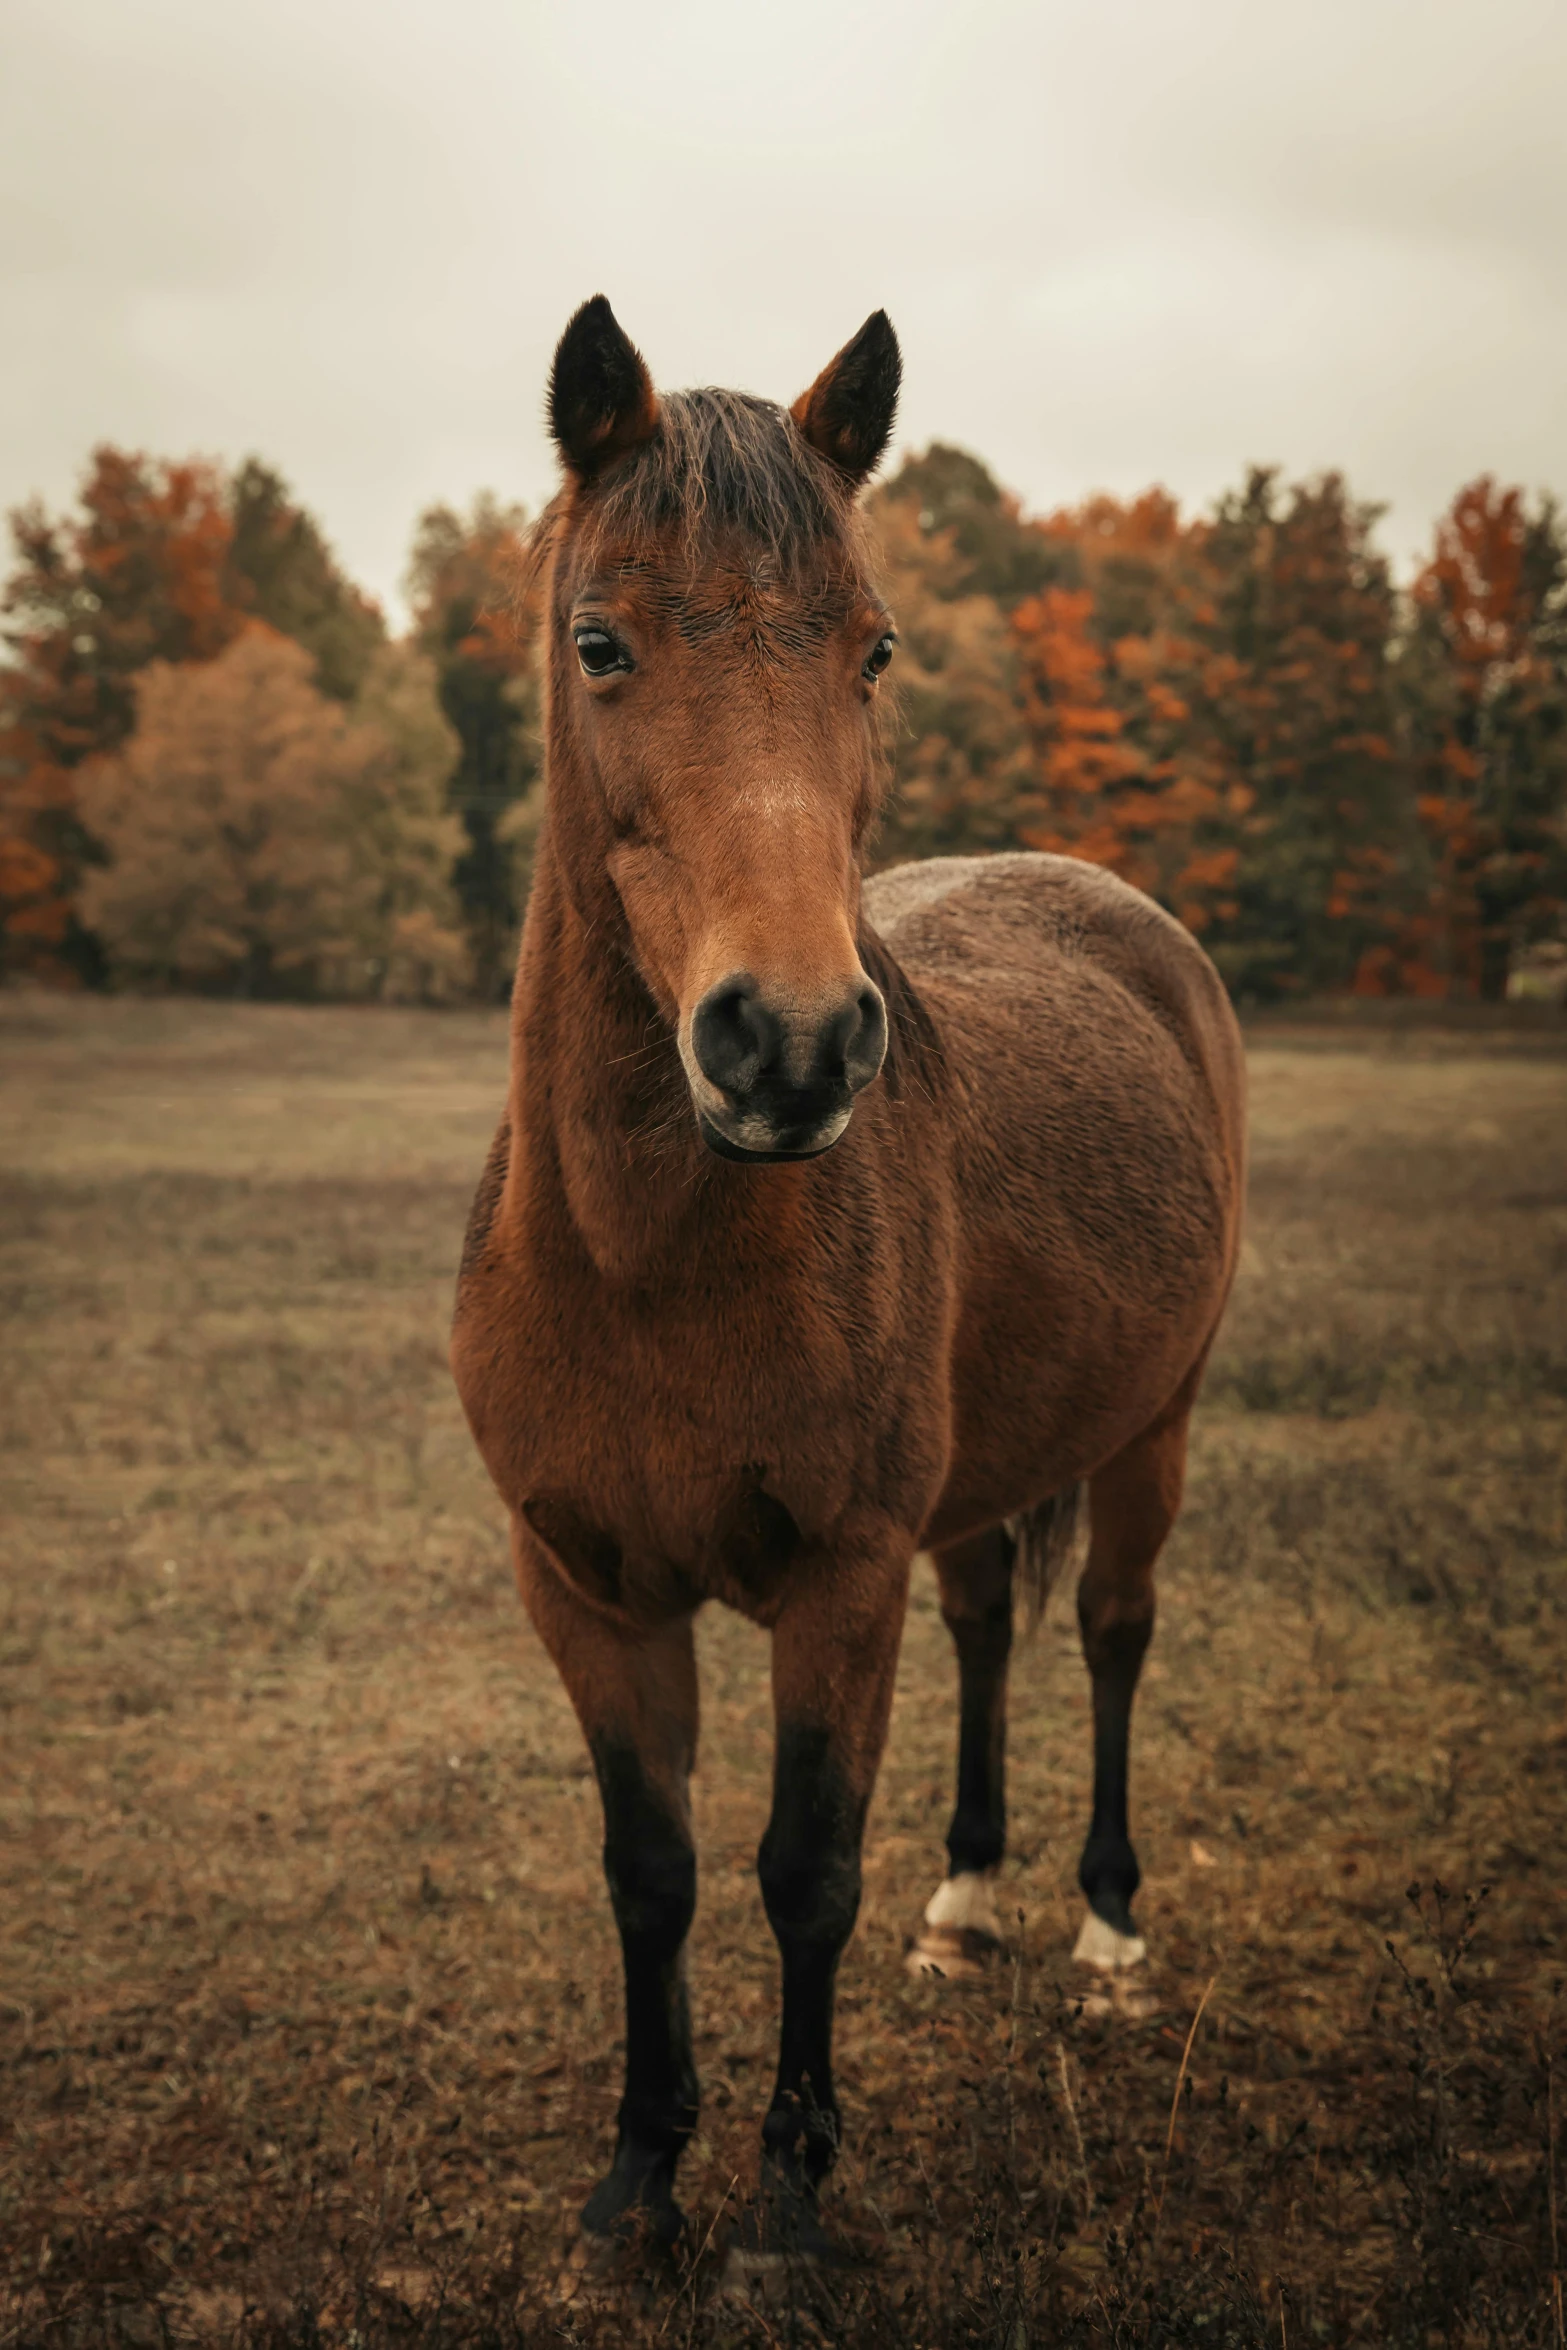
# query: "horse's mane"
{"type": "Point", "coordinates": [724, 467]}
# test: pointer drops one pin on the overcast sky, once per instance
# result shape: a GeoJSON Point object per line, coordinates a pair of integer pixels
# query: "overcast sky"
{"type": "Point", "coordinates": [1120, 243]}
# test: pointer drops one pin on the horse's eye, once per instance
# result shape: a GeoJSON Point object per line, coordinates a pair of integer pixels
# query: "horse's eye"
{"type": "Point", "coordinates": [599, 652]}
{"type": "Point", "coordinates": [878, 657]}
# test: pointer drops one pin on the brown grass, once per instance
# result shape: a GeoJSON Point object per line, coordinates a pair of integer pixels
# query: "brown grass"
{"type": "Point", "coordinates": [309, 2004]}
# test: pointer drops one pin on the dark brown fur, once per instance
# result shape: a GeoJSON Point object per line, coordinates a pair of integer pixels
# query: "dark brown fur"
{"type": "Point", "coordinates": [771, 1385]}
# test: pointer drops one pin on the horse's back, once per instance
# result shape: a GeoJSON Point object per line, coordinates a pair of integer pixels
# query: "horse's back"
{"type": "Point", "coordinates": [1013, 911]}
{"type": "Point", "coordinates": [1069, 959]}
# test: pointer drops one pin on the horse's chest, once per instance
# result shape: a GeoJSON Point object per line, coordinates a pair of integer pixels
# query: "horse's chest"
{"type": "Point", "coordinates": [686, 1444]}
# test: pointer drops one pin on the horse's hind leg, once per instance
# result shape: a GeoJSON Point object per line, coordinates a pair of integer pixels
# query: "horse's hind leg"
{"type": "Point", "coordinates": [961, 1930]}
{"type": "Point", "coordinates": [1133, 1502]}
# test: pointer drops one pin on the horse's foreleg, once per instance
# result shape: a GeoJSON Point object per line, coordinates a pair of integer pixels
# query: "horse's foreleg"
{"type": "Point", "coordinates": [650, 1864]}
{"type": "Point", "coordinates": [961, 1930]}
{"type": "Point", "coordinates": [1133, 1501]}
{"type": "Point", "coordinates": [636, 1698]}
{"type": "Point", "coordinates": [835, 1653]}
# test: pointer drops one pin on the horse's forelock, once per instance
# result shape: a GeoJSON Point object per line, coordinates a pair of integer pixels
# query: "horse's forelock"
{"type": "Point", "coordinates": [725, 468]}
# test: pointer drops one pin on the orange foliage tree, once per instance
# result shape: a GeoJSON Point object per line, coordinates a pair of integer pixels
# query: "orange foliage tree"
{"type": "Point", "coordinates": [1331, 784]}
{"type": "Point", "coordinates": [138, 576]}
{"type": "Point", "coordinates": [1119, 689]}
{"type": "Point", "coordinates": [1203, 705]}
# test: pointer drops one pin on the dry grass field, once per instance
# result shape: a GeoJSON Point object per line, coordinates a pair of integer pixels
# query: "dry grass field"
{"type": "Point", "coordinates": [309, 1998]}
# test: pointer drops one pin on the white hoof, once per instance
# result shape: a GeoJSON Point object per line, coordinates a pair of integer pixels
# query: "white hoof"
{"type": "Point", "coordinates": [1119, 1961]}
{"type": "Point", "coordinates": [1106, 1951]}
{"type": "Point", "coordinates": [961, 1934]}
{"type": "Point", "coordinates": [967, 1901]}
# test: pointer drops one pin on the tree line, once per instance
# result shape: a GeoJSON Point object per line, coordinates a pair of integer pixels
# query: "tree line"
{"type": "Point", "coordinates": [218, 770]}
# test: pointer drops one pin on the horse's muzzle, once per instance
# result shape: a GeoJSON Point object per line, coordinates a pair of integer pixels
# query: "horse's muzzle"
{"type": "Point", "coordinates": [775, 1080]}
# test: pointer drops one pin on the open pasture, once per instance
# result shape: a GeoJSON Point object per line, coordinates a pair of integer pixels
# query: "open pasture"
{"type": "Point", "coordinates": [309, 1995]}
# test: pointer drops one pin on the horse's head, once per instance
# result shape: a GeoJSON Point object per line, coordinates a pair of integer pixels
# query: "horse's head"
{"type": "Point", "coordinates": [716, 647]}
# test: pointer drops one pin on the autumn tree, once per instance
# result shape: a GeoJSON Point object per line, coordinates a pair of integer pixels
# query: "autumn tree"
{"type": "Point", "coordinates": [280, 569]}
{"type": "Point", "coordinates": [395, 786]}
{"type": "Point", "coordinates": [1331, 785]}
{"type": "Point", "coordinates": [987, 548]}
{"type": "Point", "coordinates": [261, 840]}
{"type": "Point", "coordinates": [1205, 706]}
{"type": "Point", "coordinates": [137, 576]}
{"type": "Point", "coordinates": [1303, 611]}
{"type": "Point", "coordinates": [1483, 679]}
{"type": "Point", "coordinates": [955, 730]}
{"type": "Point", "coordinates": [1118, 687]}
{"type": "Point", "coordinates": [1082, 759]}
{"type": "Point", "coordinates": [162, 563]}
{"type": "Point", "coordinates": [37, 812]}
{"type": "Point", "coordinates": [467, 584]}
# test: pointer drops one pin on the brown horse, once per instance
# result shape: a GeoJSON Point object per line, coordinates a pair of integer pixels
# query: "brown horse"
{"type": "Point", "coordinates": [828, 1220]}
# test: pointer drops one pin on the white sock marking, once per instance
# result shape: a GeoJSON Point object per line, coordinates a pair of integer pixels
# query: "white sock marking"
{"type": "Point", "coordinates": [967, 1900]}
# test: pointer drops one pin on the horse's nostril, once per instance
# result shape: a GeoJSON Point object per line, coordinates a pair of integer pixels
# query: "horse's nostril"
{"type": "Point", "coordinates": [867, 1042]}
{"type": "Point", "coordinates": [793, 1059]}
{"type": "Point", "coordinates": [735, 1038]}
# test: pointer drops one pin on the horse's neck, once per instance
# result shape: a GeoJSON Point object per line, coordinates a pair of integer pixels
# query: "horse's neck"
{"type": "Point", "coordinates": [599, 1096]}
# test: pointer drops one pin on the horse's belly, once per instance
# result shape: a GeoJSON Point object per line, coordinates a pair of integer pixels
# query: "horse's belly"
{"type": "Point", "coordinates": [1051, 1380]}
{"type": "Point", "coordinates": [1102, 1215]}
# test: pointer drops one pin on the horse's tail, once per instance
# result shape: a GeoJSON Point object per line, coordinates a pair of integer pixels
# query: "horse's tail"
{"type": "Point", "coordinates": [1045, 1538]}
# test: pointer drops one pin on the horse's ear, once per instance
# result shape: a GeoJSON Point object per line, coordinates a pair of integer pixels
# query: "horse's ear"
{"type": "Point", "coordinates": [847, 413]}
{"type": "Point", "coordinates": [602, 402]}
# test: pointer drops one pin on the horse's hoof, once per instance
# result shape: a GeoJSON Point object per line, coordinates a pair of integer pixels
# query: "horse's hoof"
{"type": "Point", "coordinates": [1107, 1951]}
{"type": "Point", "coordinates": [950, 1954]}
{"type": "Point", "coordinates": [1119, 1964]}
{"type": "Point", "coordinates": [961, 1933]}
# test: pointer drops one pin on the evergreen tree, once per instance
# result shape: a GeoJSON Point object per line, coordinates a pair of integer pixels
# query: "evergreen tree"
{"type": "Point", "coordinates": [466, 582]}
{"type": "Point", "coordinates": [1304, 611]}
{"type": "Point", "coordinates": [281, 570]}
{"type": "Point", "coordinates": [987, 547]}
{"type": "Point", "coordinates": [1483, 683]}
